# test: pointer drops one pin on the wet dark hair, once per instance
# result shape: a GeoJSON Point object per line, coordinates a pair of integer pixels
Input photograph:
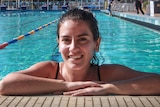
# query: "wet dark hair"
{"type": "Point", "coordinates": [86, 16]}
{"type": "Point", "coordinates": [79, 14]}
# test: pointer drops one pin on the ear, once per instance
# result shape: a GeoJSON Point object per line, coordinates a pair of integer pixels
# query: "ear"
{"type": "Point", "coordinates": [97, 44]}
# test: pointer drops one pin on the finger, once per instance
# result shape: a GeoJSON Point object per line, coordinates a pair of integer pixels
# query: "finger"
{"type": "Point", "coordinates": [82, 93]}
{"type": "Point", "coordinates": [92, 84]}
{"type": "Point", "coordinates": [70, 92]}
{"type": "Point", "coordinates": [75, 93]}
{"type": "Point", "coordinates": [87, 91]}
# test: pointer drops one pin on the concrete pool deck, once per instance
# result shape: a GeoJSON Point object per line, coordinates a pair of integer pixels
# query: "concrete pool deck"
{"type": "Point", "coordinates": [152, 22]}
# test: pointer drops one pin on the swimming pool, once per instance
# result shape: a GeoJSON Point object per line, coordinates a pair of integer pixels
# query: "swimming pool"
{"type": "Point", "coordinates": [122, 42]}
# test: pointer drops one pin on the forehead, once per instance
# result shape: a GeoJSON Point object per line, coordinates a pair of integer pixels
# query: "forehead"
{"type": "Point", "coordinates": [69, 23]}
{"type": "Point", "coordinates": [74, 26]}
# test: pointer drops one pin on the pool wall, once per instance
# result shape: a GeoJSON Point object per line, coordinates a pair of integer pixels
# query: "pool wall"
{"type": "Point", "coordinates": [144, 20]}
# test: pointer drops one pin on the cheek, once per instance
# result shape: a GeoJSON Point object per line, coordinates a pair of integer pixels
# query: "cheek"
{"type": "Point", "coordinates": [62, 48]}
{"type": "Point", "coordinates": [90, 50]}
{"type": "Point", "coordinates": [63, 51]}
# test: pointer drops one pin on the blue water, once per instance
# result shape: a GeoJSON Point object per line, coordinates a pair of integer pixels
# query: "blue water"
{"type": "Point", "coordinates": [122, 42]}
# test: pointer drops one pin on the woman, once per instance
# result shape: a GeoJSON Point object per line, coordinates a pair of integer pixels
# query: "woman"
{"type": "Point", "coordinates": [78, 40]}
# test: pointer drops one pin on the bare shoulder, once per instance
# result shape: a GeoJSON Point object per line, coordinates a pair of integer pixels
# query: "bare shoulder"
{"type": "Point", "coordinates": [116, 72]}
{"type": "Point", "coordinates": [41, 69]}
{"type": "Point", "coordinates": [43, 65]}
{"type": "Point", "coordinates": [114, 67]}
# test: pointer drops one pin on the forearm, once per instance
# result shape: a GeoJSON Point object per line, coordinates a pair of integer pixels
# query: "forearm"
{"type": "Point", "coordinates": [20, 84]}
{"type": "Point", "coordinates": [147, 85]}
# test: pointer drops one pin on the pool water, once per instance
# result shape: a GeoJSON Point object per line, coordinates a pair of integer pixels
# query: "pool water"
{"type": "Point", "coordinates": [122, 42]}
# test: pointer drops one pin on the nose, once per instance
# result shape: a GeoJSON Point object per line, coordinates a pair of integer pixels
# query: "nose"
{"type": "Point", "coordinates": [74, 47]}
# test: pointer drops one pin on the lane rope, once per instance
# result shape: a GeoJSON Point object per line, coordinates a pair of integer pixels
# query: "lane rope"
{"type": "Point", "coordinates": [42, 18]}
{"type": "Point", "coordinates": [3, 45]}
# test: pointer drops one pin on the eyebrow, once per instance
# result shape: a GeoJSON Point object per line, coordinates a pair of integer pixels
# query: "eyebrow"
{"type": "Point", "coordinates": [81, 35]}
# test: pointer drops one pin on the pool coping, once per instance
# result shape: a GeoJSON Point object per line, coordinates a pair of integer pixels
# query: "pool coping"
{"type": "Point", "coordinates": [80, 101]}
{"type": "Point", "coordinates": [144, 20]}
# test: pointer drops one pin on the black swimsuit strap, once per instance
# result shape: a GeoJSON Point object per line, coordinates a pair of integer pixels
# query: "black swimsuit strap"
{"type": "Point", "coordinates": [57, 71]}
{"type": "Point", "coordinates": [99, 76]}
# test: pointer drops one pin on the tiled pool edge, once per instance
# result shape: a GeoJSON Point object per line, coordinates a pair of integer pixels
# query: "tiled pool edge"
{"type": "Point", "coordinates": [144, 20]}
{"type": "Point", "coordinates": [79, 101]}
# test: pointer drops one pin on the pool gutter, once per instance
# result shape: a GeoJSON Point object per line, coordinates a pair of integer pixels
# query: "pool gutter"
{"type": "Point", "coordinates": [144, 20]}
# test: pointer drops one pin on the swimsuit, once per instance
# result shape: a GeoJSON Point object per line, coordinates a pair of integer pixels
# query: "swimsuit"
{"type": "Point", "coordinates": [98, 72]}
{"type": "Point", "coordinates": [57, 71]}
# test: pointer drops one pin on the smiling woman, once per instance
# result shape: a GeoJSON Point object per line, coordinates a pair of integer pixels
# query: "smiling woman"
{"type": "Point", "coordinates": [76, 44]}
{"type": "Point", "coordinates": [78, 39]}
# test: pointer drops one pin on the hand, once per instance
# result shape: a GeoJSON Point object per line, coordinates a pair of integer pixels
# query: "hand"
{"type": "Point", "coordinates": [100, 90]}
{"type": "Point", "coordinates": [80, 85]}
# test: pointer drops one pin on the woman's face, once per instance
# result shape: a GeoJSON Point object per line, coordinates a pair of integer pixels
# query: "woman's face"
{"type": "Point", "coordinates": [76, 44]}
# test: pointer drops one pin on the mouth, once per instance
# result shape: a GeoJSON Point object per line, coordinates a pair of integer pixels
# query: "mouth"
{"type": "Point", "coordinates": [75, 57]}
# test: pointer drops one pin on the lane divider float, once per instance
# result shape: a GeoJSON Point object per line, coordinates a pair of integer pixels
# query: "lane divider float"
{"type": "Point", "coordinates": [3, 45]}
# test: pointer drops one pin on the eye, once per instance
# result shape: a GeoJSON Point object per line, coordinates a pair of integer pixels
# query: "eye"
{"type": "Point", "coordinates": [66, 40]}
{"type": "Point", "coordinates": [83, 40]}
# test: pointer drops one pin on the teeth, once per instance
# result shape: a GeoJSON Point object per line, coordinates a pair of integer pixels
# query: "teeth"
{"type": "Point", "coordinates": [74, 57]}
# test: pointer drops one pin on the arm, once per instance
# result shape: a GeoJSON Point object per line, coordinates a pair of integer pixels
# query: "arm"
{"type": "Point", "coordinates": [29, 85]}
{"type": "Point", "coordinates": [122, 80]}
{"type": "Point", "coordinates": [143, 85]}
{"type": "Point", "coordinates": [37, 79]}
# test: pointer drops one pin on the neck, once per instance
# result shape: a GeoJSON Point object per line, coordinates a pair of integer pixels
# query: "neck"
{"type": "Point", "coordinates": [70, 74]}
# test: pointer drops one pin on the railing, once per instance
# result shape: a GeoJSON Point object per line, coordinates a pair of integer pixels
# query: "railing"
{"type": "Point", "coordinates": [50, 5]}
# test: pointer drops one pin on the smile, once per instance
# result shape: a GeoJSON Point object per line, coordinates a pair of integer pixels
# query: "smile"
{"type": "Point", "coordinates": [75, 57]}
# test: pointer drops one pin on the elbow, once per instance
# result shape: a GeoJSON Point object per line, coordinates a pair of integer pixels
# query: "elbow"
{"type": "Point", "coordinates": [6, 85]}
{"type": "Point", "coordinates": [2, 89]}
